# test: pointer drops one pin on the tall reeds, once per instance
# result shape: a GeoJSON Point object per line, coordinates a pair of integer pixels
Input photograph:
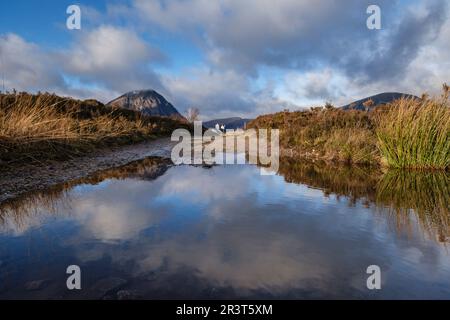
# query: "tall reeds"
{"type": "Point", "coordinates": [415, 133]}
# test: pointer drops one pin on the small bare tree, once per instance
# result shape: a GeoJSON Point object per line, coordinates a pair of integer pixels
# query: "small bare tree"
{"type": "Point", "coordinates": [446, 89]}
{"type": "Point", "coordinates": [193, 114]}
{"type": "Point", "coordinates": [329, 105]}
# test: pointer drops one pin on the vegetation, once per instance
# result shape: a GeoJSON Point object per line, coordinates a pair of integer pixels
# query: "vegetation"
{"type": "Point", "coordinates": [406, 133]}
{"type": "Point", "coordinates": [416, 133]}
{"type": "Point", "coordinates": [193, 114]}
{"type": "Point", "coordinates": [324, 133]}
{"type": "Point", "coordinates": [45, 126]}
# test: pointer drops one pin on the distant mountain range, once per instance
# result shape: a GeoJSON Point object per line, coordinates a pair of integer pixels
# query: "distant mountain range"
{"type": "Point", "coordinates": [230, 123]}
{"type": "Point", "coordinates": [381, 98]}
{"type": "Point", "coordinates": [378, 99]}
{"type": "Point", "coordinates": [149, 102]}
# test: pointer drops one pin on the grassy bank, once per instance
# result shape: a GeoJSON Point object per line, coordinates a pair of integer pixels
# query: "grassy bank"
{"type": "Point", "coordinates": [45, 126]}
{"type": "Point", "coordinates": [407, 133]}
{"type": "Point", "coordinates": [416, 134]}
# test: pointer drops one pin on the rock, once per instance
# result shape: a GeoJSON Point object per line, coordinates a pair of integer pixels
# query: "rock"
{"type": "Point", "coordinates": [36, 285]}
{"type": "Point", "coordinates": [108, 285]}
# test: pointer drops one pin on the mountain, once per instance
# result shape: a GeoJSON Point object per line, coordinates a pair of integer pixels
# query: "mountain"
{"type": "Point", "coordinates": [230, 123]}
{"type": "Point", "coordinates": [149, 102]}
{"type": "Point", "coordinates": [381, 98]}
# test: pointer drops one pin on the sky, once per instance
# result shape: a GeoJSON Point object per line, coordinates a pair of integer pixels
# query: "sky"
{"type": "Point", "coordinates": [226, 57]}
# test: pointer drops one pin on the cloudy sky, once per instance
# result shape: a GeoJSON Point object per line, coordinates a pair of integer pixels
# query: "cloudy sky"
{"type": "Point", "coordinates": [226, 57]}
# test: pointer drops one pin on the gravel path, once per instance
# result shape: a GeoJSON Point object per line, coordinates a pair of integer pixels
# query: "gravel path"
{"type": "Point", "coordinates": [17, 180]}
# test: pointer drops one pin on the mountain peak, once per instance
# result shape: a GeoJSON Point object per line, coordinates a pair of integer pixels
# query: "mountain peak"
{"type": "Point", "coordinates": [148, 101]}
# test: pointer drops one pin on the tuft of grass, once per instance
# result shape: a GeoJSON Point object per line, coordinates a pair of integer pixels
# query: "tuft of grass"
{"type": "Point", "coordinates": [415, 133]}
{"type": "Point", "coordinates": [46, 126]}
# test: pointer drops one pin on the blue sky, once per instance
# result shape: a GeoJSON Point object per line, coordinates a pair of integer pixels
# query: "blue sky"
{"type": "Point", "coordinates": [226, 57]}
{"type": "Point", "coordinates": [44, 23]}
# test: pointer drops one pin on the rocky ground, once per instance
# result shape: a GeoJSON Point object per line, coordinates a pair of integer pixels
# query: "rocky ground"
{"type": "Point", "coordinates": [16, 180]}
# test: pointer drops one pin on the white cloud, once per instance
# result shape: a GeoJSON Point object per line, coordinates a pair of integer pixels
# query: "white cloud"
{"type": "Point", "coordinates": [118, 218]}
{"type": "Point", "coordinates": [221, 93]}
{"type": "Point", "coordinates": [324, 49]}
{"type": "Point", "coordinates": [100, 63]}
{"type": "Point", "coordinates": [116, 58]}
{"type": "Point", "coordinates": [25, 66]}
{"type": "Point", "coordinates": [108, 49]}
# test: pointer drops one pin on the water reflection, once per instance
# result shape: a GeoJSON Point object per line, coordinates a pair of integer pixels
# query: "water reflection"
{"type": "Point", "coordinates": [424, 194]}
{"type": "Point", "coordinates": [408, 195]}
{"type": "Point", "coordinates": [25, 211]}
{"type": "Point", "coordinates": [228, 232]}
{"type": "Point", "coordinates": [353, 182]}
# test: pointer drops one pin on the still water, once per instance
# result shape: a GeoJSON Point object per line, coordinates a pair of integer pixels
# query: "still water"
{"type": "Point", "coordinates": [151, 230]}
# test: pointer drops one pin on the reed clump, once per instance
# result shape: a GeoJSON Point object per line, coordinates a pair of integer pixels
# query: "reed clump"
{"type": "Point", "coordinates": [416, 133]}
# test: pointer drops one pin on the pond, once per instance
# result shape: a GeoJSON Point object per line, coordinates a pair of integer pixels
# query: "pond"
{"type": "Point", "coordinates": [156, 231]}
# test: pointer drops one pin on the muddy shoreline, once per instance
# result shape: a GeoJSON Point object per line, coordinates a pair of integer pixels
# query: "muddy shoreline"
{"type": "Point", "coordinates": [19, 179]}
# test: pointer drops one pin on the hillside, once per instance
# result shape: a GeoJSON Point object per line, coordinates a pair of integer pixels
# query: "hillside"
{"type": "Point", "coordinates": [378, 99]}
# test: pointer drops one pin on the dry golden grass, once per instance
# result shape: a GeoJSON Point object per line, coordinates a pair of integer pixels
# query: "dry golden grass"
{"type": "Point", "coordinates": [352, 145]}
{"type": "Point", "coordinates": [46, 126]}
{"type": "Point", "coordinates": [325, 133]}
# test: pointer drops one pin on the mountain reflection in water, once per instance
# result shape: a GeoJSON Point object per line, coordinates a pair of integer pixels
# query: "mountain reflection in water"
{"type": "Point", "coordinates": [157, 231]}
